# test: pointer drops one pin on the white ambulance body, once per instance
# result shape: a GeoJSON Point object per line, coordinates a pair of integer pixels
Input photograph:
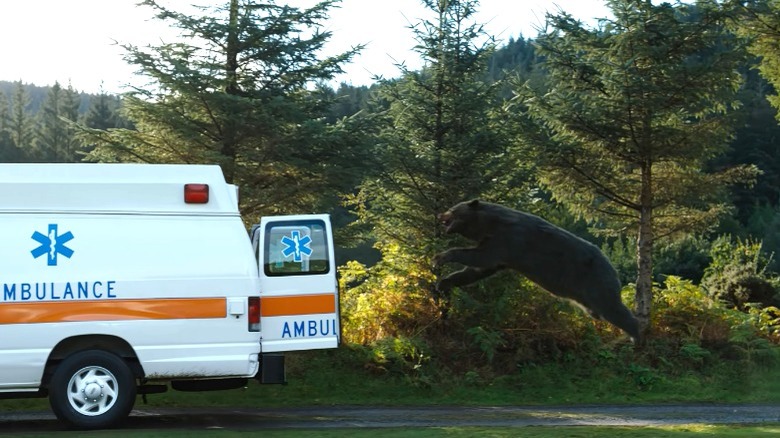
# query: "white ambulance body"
{"type": "Point", "coordinates": [122, 279]}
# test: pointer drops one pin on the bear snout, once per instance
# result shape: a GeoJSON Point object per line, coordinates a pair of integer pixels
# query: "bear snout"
{"type": "Point", "coordinates": [445, 219]}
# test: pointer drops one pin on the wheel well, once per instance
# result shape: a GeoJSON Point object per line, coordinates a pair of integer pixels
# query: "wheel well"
{"type": "Point", "coordinates": [111, 344]}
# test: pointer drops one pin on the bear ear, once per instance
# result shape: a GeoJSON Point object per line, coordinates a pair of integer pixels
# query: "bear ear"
{"type": "Point", "coordinates": [474, 203]}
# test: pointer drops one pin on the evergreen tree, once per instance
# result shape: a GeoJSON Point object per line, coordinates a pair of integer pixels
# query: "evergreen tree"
{"type": "Point", "coordinates": [71, 102]}
{"type": "Point", "coordinates": [755, 143]}
{"type": "Point", "coordinates": [101, 114]}
{"type": "Point", "coordinates": [51, 130]}
{"type": "Point", "coordinates": [5, 112]}
{"type": "Point", "coordinates": [518, 57]}
{"type": "Point", "coordinates": [442, 143]}
{"type": "Point", "coordinates": [56, 140]}
{"type": "Point", "coordinates": [243, 88]}
{"type": "Point", "coordinates": [21, 126]}
{"type": "Point", "coordinates": [759, 20]}
{"type": "Point", "coordinates": [8, 151]}
{"type": "Point", "coordinates": [349, 100]}
{"type": "Point", "coordinates": [634, 112]}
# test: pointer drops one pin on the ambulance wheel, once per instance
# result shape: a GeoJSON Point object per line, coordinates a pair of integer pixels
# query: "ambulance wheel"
{"type": "Point", "coordinates": [92, 389]}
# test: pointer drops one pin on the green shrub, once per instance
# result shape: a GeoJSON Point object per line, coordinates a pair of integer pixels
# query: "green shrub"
{"type": "Point", "coordinates": [390, 299]}
{"type": "Point", "coordinates": [738, 274]}
{"type": "Point", "coordinates": [683, 311]}
{"type": "Point", "coordinates": [764, 223]}
{"type": "Point", "coordinates": [403, 356]}
{"type": "Point", "coordinates": [753, 350]}
{"type": "Point", "coordinates": [703, 327]}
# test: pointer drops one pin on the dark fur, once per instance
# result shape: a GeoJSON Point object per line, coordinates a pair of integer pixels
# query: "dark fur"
{"type": "Point", "coordinates": [551, 257]}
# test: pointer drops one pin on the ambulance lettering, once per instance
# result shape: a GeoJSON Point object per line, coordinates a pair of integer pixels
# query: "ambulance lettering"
{"type": "Point", "coordinates": [309, 328]}
{"type": "Point", "coordinates": [82, 290]}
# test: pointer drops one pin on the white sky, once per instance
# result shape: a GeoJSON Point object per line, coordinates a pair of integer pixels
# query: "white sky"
{"type": "Point", "coordinates": [74, 41]}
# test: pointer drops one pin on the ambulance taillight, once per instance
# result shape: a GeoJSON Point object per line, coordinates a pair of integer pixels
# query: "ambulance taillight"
{"type": "Point", "coordinates": [196, 193]}
{"type": "Point", "coordinates": [254, 314]}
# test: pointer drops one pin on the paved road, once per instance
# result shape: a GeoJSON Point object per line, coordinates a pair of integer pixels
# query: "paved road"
{"type": "Point", "coordinates": [359, 417]}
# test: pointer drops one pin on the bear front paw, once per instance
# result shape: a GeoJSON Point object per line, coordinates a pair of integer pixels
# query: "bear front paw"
{"type": "Point", "coordinates": [443, 286]}
{"type": "Point", "coordinates": [439, 259]}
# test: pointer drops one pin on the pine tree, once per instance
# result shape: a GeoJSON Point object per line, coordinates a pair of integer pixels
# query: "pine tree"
{"type": "Point", "coordinates": [56, 139]}
{"type": "Point", "coordinates": [442, 143]}
{"type": "Point", "coordinates": [101, 114]}
{"type": "Point", "coordinates": [635, 111]}
{"type": "Point", "coordinates": [21, 126]}
{"type": "Point", "coordinates": [5, 117]}
{"type": "Point", "coordinates": [248, 96]}
{"type": "Point", "coordinates": [71, 102]}
{"type": "Point", "coordinates": [759, 20]}
{"type": "Point", "coordinates": [8, 151]}
{"type": "Point", "coordinates": [51, 131]}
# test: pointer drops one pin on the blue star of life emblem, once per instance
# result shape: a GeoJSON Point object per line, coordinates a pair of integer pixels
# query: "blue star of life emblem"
{"type": "Point", "coordinates": [52, 244]}
{"type": "Point", "coordinates": [296, 246]}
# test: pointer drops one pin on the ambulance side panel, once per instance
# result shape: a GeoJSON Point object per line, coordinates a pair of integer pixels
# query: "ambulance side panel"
{"type": "Point", "coordinates": [173, 286]}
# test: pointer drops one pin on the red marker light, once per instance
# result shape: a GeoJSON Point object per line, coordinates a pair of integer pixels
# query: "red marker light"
{"type": "Point", "coordinates": [254, 314]}
{"type": "Point", "coordinates": [196, 193]}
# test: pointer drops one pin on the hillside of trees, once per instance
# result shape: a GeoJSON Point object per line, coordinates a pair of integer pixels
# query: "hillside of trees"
{"type": "Point", "coordinates": [35, 122]}
{"type": "Point", "coordinates": [653, 135]}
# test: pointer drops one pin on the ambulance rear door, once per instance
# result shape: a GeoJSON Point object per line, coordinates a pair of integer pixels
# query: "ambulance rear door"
{"type": "Point", "coordinates": [299, 303]}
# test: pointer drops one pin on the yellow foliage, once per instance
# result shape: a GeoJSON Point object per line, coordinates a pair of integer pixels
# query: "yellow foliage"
{"type": "Point", "coordinates": [388, 300]}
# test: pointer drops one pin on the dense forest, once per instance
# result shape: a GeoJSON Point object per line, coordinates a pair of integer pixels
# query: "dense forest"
{"type": "Point", "coordinates": [653, 135]}
{"type": "Point", "coordinates": [36, 122]}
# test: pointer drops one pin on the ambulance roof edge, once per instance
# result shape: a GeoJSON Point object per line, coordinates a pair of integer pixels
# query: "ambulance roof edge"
{"type": "Point", "coordinates": [115, 188]}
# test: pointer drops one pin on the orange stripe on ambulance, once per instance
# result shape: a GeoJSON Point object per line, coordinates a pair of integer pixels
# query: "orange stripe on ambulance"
{"type": "Point", "coordinates": [111, 310]}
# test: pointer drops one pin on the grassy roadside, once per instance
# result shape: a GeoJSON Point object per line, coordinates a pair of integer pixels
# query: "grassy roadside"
{"type": "Point", "coordinates": [336, 378]}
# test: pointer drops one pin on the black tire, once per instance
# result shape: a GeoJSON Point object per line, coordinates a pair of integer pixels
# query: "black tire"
{"type": "Point", "coordinates": [92, 389]}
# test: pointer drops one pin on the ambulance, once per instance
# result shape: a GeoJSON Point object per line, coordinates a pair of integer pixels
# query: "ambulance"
{"type": "Point", "coordinates": [118, 280]}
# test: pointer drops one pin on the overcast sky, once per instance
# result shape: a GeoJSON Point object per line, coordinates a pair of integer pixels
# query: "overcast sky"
{"type": "Point", "coordinates": [74, 41]}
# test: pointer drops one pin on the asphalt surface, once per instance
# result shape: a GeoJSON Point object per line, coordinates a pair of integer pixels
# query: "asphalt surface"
{"type": "Point", "coordinates": [385, 417]}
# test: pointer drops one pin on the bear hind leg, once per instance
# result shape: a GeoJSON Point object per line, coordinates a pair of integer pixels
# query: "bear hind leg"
{"type": "Point", "coordinates": [463, 277]}
{"type": "Point", "coordinates": [622, 318]}
{"type": "Point", "coordinates": [609, 307]}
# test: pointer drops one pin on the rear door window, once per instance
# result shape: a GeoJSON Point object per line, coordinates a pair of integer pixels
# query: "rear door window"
{"type": "Point", "coordinates": [296, 248]}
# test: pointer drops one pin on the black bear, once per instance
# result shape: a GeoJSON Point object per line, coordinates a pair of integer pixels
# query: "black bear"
{"type": "Point", "coordinates": [551, 257]}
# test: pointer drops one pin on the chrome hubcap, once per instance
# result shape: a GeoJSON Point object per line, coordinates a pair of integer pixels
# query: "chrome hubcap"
{"type": "Point", "coordinates": [92, 391]}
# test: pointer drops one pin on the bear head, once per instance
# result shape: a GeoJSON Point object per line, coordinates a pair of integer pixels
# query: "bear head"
{"type": "Point", "coordinates": [466, 219]}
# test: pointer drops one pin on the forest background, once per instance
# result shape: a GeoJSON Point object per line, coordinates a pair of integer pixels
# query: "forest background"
{"type": "Point", "coordinates": [653, 134]}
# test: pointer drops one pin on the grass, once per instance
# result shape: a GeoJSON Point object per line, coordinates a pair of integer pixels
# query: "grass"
{"type": "Point", "coordinates": [337, 378]}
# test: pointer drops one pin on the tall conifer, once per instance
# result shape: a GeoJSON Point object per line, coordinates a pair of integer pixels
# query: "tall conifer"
{"type": "Point", "coordinates": [442, 141]}
{"type": "Point", "coordinates": [634, 112]}
{"type": "Point", "coordinates": [21, 126]}
{"type": "Point", "coordinates": [242, 87]}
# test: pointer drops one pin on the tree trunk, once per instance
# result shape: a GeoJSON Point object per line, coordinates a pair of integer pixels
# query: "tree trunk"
{"type": "Point", "coordinates": [644, 282]}
{"type": "Point", "coordinates": [228, 149]}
